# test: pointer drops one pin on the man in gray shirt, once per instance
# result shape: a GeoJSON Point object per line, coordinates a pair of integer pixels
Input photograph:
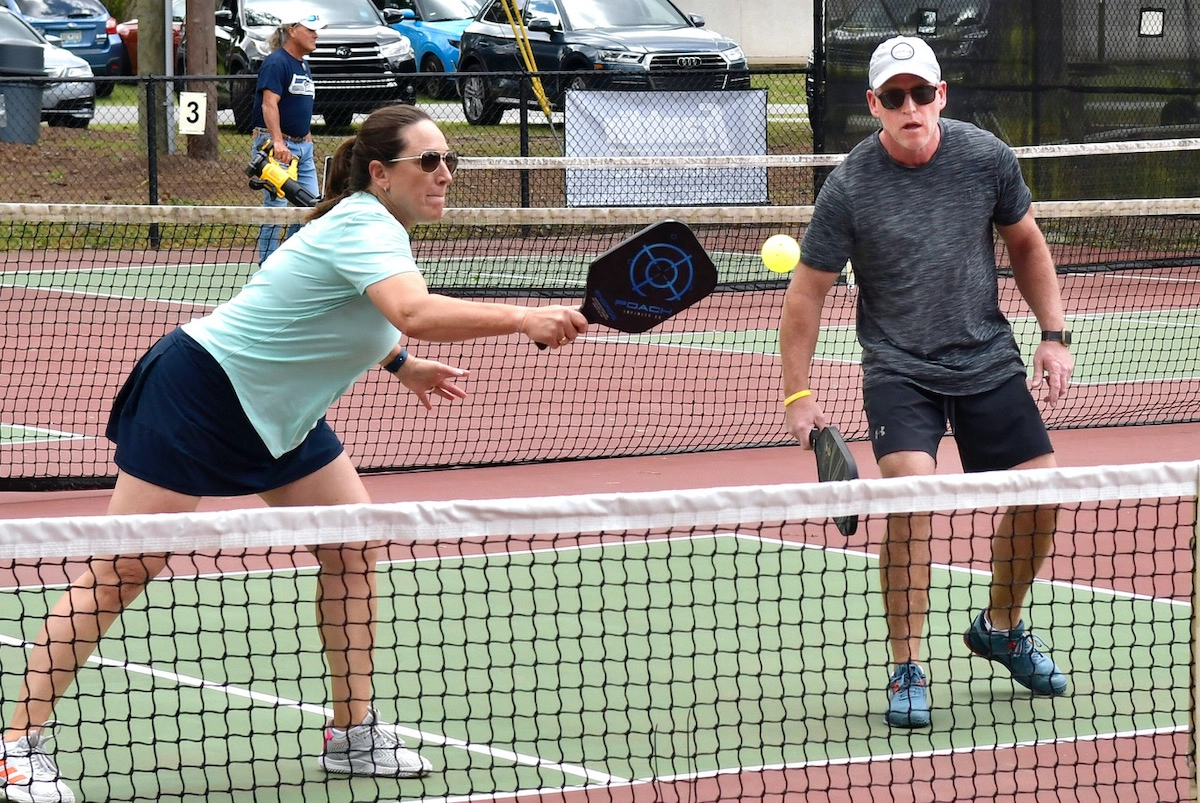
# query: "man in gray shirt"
{"type": "Point", "coordinates": [913, 208]}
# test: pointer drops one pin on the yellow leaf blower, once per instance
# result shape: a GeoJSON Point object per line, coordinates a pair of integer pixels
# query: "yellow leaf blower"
{"type": "Point", "coordinates": [266, 173]}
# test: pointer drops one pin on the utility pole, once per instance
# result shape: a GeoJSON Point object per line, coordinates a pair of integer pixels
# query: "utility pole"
{"type": "Point", "coordinates": [202, 60]}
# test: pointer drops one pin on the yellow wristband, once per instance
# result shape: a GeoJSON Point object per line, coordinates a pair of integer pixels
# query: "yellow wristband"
{"type": "Point", "coordinates": [800, 394]}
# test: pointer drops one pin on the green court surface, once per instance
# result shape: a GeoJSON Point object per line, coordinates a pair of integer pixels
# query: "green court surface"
{"type": "Point", "coordinates": [213, 283]}
{"type": "Point", "coordinates": [583, 665]}
{"type": "Point", "coordinates": [189, 284]}
{"type": "Point", "coordinates": [1108, 347]}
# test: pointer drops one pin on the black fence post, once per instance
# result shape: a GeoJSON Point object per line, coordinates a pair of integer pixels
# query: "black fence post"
{"type": "Point", "coordinates": [526, 88]}
{"type": "Point", "coordinates": [152, 156]}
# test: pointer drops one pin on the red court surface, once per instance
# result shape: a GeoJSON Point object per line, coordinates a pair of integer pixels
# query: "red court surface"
{"type": "Point", "coordinates": [1080, 447]}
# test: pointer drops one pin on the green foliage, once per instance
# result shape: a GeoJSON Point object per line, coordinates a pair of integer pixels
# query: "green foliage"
{"type": "Point", "coordinates": [121, 9]}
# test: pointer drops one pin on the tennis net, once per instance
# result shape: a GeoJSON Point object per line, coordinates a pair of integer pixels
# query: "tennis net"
{"type": "Point", "coordinates": [711, 644]}
{"type": "Point", "coordinates": [86, 289]}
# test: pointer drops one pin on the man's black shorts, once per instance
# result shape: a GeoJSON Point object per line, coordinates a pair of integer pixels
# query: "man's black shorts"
{"type": "Point", "coordinates": [994, 430]}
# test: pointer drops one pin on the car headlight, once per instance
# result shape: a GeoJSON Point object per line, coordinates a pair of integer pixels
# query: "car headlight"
{"type": "Point", "coordinates": [69, 72]}
{"type": "Point", "coordinates": [618, 57]}
{"type": "Point", "coordinates": [262, 46]}
{"type": "Point", "coordinates": [396, 52]}
{"type": "Point", "coordinates": [734, 54]}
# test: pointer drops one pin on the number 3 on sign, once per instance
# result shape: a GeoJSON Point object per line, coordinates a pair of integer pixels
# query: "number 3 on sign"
{"type": "Point", "coordinates": [193, 111]}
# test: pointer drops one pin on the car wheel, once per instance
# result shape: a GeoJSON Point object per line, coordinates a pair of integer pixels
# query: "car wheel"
{"type": "Point", "coordinates": [436, 88]}
{"type": "Point", "coordinates": [1179, 111]}
{"type": "Point", "coordinates": [104, 88]}
{"type": "Point", "coordinates": [341, 118]}
{"type": "Point", "coordinates": [477, 103]}
{"type": "Point", "coordinates": [577, 82]}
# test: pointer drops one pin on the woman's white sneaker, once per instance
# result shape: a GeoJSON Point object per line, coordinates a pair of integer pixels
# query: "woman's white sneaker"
{"type": "Point", "coordinates": [28, 774]}
{"type": "Point", "coordinates": [371, 748]}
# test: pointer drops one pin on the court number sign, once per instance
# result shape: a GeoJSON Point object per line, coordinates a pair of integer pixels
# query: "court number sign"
{"type": "Point", "coordinates": [193, 111]}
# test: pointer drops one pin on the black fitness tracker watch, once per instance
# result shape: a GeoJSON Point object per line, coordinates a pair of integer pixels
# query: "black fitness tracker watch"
{"type": "Point", "coordinates": [396, 363]}
{"type": "Point", "coordinates": [1062, 336]}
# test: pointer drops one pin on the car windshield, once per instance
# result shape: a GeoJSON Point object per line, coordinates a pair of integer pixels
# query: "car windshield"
{"type": "Point", "coordinates": [439, 10]}
{"type": "Point", "coordinates": [12, 27]}
{"type": "Point", "coordinates": [48, 9]}
{"type": "Point", "coordinates": [333, 12]}
{"type": "Point", "coordinates": [583, 14]}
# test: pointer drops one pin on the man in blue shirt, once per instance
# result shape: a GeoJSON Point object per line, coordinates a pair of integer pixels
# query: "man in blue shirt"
{"type": "Point", "coordinates": [283, 112]}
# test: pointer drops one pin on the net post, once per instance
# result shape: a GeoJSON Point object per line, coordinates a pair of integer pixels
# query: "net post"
{"type": "Point", "coordinates": [1193, 733]}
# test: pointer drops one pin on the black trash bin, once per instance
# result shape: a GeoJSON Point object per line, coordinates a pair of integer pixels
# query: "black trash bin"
{"type": "Point", "coordinates": [20, 101]}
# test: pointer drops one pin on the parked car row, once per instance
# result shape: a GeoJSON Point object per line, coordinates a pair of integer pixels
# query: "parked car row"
{"type": "Point", "coordinates": [467, 46]}
{"type": "Point", "coordinates": [621, 44]}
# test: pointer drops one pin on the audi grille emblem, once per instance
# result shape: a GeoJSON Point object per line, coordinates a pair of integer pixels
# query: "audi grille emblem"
{"type": "Point", "coordinates": [342, 52]}
{"type": "Point", "coordinates": [688, 62]}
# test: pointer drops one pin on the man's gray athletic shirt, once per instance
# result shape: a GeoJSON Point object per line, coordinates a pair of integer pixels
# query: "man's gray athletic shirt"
{"type": "Point", "coordinates": [922, 246]}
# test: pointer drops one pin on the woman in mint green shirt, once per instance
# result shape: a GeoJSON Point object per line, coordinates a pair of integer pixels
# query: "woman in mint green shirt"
{"type": "Point", "coordinates": [235, 402]}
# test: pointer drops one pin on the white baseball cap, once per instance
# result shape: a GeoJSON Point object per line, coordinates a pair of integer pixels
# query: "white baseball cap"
{"type": "Point", "coordinates": [904, 55]}
{"type": "Point", "coordinates": [311, 21]}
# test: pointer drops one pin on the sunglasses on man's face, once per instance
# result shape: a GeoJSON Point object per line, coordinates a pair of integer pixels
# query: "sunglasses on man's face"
{"type": "Point", "coordinates": [894, 98]}
{"type": "Point", "coordinates": [430, 160]}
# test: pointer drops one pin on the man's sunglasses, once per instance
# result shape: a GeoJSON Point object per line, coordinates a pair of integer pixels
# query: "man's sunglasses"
{"type": "Point", "coordinates": [431, 159]}
{"type": "Point", "coordinates": [922, 95]}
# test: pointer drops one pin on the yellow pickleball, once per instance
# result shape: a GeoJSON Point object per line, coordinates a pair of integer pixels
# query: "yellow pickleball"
{"type": "Point", "coordinates": [781, 253]}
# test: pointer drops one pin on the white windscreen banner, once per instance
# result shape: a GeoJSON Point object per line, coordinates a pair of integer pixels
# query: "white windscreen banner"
{"type": "Point", "coordinates": [719, 123]}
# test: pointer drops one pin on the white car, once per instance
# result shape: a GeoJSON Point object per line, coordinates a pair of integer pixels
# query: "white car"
{"type": "Point", "coordinates": [71, 101]}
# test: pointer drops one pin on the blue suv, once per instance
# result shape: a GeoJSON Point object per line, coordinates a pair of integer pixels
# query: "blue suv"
{"type": "Point", "coordinates": [82, 27]}
{"type": "Point", "coordinates": [434, 27]}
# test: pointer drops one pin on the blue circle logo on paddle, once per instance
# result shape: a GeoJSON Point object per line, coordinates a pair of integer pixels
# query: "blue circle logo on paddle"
{"type": "Point", "coordinates": [661, 271]}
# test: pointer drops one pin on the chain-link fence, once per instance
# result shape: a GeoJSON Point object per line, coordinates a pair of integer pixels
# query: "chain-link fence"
{"type": "Point", "coordinates": [122, 155]}
{"type": "Point", "coordinates": [1034, 72]}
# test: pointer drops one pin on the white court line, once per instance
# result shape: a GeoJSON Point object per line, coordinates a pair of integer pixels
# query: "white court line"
{"type": "Point", "coordinates": [17, 435]}
{"type": "Point", "coordinates": [308, 708]}
{"type": "Point", "coordinates": [655, 539]}
{"type": "Point", "coordinates": [115, 269]}
{"type": "Point", "coordinates": [66, 291]}
{"type": "Point", "coordinates": [558, 792]}
{"type": "Point", "coordinates": [183, 266]}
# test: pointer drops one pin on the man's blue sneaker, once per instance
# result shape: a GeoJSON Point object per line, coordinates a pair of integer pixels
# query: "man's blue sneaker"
{"type": "Point", "coordinates": [1018, 652]}
{"type": "Point", "coordinates": [908, 706]}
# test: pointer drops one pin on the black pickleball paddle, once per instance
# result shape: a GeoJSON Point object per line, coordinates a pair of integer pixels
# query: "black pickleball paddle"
{"type": "Point", "coordinates": [835, 464]}
{"type": "Point", "coordinates": [647, 278]}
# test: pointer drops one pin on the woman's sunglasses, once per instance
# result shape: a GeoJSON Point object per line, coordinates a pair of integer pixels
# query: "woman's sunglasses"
{"type": "Point", "coordinates": [431, 159]}
{"type": "Point", "coordinates": [894, 98]}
